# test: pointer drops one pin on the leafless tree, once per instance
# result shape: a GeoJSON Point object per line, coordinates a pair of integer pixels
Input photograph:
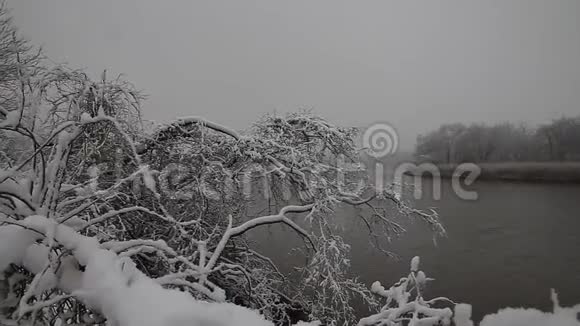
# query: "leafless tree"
{"type": "Point", "coordinates": [88, 176]}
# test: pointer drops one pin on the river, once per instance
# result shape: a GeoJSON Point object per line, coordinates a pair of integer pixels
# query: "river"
{"type": "Point", "coordinates": [507, 248]}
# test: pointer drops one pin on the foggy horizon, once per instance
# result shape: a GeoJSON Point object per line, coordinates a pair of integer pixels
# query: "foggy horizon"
{"type": "Point", "coordinates": [415, 66]}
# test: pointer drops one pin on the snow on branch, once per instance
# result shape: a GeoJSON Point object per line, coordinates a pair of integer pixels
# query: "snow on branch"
{"type": "Point", "coordinates": [405, 302]}
{"type": "Point", "coordinates": [113, 285]}
{"type": "Point", "coordinates": [406, 305]}
{"type": "Point", "coordinates": [181, 125]}
{"type": "Point", "coordinates": [61, 216]}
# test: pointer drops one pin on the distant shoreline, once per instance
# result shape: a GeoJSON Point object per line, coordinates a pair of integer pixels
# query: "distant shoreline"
{"type": "Point", "coordinates": [540, 172]}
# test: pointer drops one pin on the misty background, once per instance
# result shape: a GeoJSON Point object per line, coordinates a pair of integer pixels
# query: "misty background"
{"type": "Point", "coordinates": [415, 65]}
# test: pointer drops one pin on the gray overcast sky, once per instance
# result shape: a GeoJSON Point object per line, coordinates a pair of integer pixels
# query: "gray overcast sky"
{"type": "Point", "coordinates": [415, 64]}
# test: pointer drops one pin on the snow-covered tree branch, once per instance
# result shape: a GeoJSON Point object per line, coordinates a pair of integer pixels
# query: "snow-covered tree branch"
{"type": "Point", "coordinates": [96, 211]}
{"type": "Point", "coordinates": [406, 305]}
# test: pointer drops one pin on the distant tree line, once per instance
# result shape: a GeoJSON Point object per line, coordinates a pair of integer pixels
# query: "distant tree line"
{"type": "Point", "coordinates": [504, 142]}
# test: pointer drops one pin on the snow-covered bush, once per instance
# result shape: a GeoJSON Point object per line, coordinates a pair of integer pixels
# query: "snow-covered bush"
{"type": "Point", "coordinates": [89, 223]}
{"type": "Point", "coordinates": [406, 306]}
{"type": "Point", "coordinates": [63, 260]}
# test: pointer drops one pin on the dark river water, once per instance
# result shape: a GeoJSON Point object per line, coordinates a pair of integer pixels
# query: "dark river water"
{"type": "Point", "coordinates": [507, 248]}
